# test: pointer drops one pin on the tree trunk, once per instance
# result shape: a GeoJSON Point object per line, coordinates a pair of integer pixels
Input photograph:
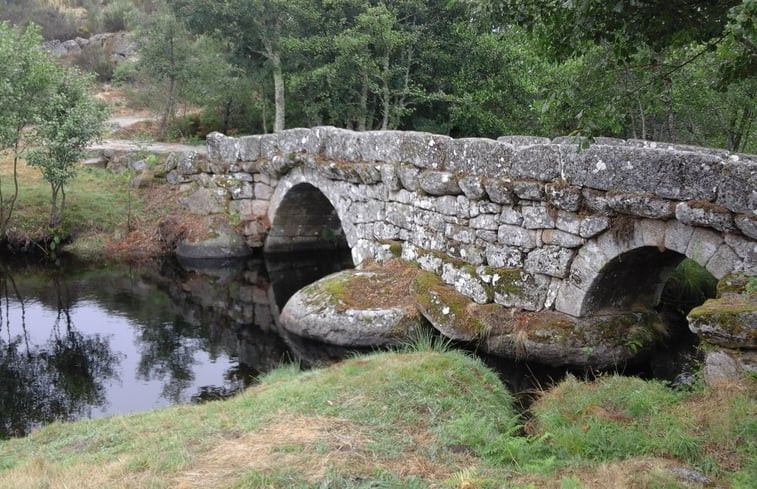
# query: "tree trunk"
{"type": "Point", "coordinates": [227, 114]}
{"type": "Point", "coordinates": [169, 108]}
{"type": "Point", "coordinates": [168, 111]}
{"type": "Point", "coordinates": [362, 122]}
{"type": "Point", "coordinates": [6, 206]}
{"type": "Point", "coordinates": [278, 92]}
{"type": "Point", "coordinates": [667, 98]}
{"type": "Point", "coordinates": [643, 119]}
{"type": "Point", "coordinates": [671, 118]}
{"type": "Point", "coordinates": [738, 128]}
{"type": "Point", "coordinates": [265, 118]}
{"type": "Point", "coordinates": [385, 95]}
{"type": "Point", "coordinates": [54, 205]}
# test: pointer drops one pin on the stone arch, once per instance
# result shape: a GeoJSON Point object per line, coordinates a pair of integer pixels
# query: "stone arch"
{"type": "Point", "coordinates": [304, 215]}
{"type": "Point", "coordinates": [630, 263]}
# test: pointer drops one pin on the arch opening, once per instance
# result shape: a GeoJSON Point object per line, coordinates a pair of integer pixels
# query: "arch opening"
{"type": "Point", "coordinates": [670, 284]}
{"type": "Point", "coordinates": [632, 279]}
{"type": "Point", "coordinates": [305, 220]}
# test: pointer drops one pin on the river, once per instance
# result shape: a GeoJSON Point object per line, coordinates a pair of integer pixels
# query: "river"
{"type": "Point", "coordinates": [81, 341]}
{"type": "Point", "coordinates": [85, 341]}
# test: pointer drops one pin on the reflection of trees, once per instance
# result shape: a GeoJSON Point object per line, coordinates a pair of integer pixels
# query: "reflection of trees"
{"type": "Point", "coordinates": [168, 354]}
{"type": "Point", "coordinates": [236, 378]}
{"type": "Point", "coordinates": [59, 380]}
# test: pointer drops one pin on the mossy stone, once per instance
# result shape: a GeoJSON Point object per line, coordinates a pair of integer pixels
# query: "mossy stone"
{"type": "Point", "coordinates": [729, 321]}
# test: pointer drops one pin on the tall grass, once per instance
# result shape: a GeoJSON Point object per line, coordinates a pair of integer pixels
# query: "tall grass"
{"type": "Point", "coordinates": [426, 339]}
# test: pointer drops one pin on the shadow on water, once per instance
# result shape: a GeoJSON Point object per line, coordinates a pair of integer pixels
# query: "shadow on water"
{"type": "Point", "coordinates": [82, 341]}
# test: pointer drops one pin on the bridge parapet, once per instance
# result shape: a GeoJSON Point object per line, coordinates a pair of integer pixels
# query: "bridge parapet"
{"type": "Point", "coordinates": [524, 222]}
{"type": "Point", "coordinates": [667, 171]}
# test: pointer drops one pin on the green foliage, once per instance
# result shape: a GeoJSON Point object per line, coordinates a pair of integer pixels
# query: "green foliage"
{"type": "Point", "coordinates": [751, 286]}
{"type": "Point", "coordinates": [689, 286]}
{"type": "Point", "coordinates": [71, 120]}
{"type": "Point", "coordinates": [181, 68]}
{"type": "Point", "coordinates": [26, 75]}
{"type": "Point", "coordinates": [641, 64]}
{"type": "Point", "coordinates": [494, 89]}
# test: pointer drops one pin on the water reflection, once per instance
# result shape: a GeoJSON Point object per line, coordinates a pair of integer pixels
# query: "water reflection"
{"type": "Point", "coordinates": [59, 378]}
{"type": "Point", "coordinates": [78, 341]}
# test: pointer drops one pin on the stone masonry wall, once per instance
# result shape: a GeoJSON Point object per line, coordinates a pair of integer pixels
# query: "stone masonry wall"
{"type": "Point", "coordinates": [521, 221]}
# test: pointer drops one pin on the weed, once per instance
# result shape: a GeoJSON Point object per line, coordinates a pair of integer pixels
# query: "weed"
{"type": "Point", "coordinates": [426, 340]}
{"type": "Point", "coordinates": [689, 285]}
{"type": "Point", "coordinates": [751, 286]}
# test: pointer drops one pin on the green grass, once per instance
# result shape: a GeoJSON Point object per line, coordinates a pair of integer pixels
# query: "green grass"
{"type": "Point", "coordinates": [97, 201]}
{"type": "Point", "coordinates": [614, 418]}
{"type": "Point", "coordinates": [378, 411]}
{"type": "Point", "coordinates": [403, 420]}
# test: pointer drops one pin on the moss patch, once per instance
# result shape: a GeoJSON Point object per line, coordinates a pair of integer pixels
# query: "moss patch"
{"type": "Point", "coordinates": [726, 306]}
{"type": "Point", "coordinates": [735, 283]}
{"type": "Point", "coordinates": [377, 286]}
{"type": "Point", "coordinates": [447, 309]}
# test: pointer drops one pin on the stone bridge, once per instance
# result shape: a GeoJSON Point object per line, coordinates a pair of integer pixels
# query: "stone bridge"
{"type": "Point", "coordinates": [528, 223]}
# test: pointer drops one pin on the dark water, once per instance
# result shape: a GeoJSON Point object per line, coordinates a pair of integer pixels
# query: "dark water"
{"type": "Point", "coordinates": [80, 341]}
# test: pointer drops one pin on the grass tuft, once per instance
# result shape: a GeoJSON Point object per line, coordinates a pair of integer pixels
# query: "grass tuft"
{"type": "Point", "coordinates": [426, 340]}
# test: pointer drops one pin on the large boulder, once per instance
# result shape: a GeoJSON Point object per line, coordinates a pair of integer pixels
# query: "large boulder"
{"type": "Point", "coordinates": [360, 308]}
{"type": "Point", "coordinates": [547, 337]}
{"type": "Point", "coordinates": [727, 321]}
{"type": "Point", "coordinates": [217, 241]}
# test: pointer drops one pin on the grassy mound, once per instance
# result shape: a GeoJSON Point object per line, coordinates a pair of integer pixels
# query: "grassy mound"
{"type": "Point", "coordinates": [407, 419]}
{"type": "Point", "coordinates": [418, 419]}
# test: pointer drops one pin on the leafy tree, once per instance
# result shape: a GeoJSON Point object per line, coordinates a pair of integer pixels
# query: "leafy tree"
{"type": "Point", "coordinates": [72, 118]}
{"type": "Point", "coordinates": [26, 74]}
{"type": "Point", "coordinates": [256, 30]}
{"type": "Point", "coordinates": [179, 67]}
{"type": "Point", "coordinates": [165, 56]}
{"type": "Point", "coordinates": [640, 44]}
{"type": "Point", "coordinates": [494, 87]}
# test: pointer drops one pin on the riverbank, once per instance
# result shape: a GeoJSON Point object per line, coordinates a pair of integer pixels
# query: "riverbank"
{"type": "Point", "coordinates": [107, 215]}
{"type": "Point", "coordinates": [416, 419]}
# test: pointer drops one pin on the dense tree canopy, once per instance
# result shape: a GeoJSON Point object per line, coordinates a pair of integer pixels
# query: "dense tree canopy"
{"type": "Point", "coordinates": [646, 68]}
{"type": "Point", "coordinates": [675, 70]}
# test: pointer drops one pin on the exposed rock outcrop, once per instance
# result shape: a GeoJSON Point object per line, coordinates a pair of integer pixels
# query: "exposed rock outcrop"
{"type": "Point", "coordinates": [375, 317]}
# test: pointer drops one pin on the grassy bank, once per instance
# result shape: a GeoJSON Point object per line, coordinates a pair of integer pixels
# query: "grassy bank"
{"type": "Point", "coordinates": [104, 216]}
{"type": "Point", "coordinates": [414, 420]}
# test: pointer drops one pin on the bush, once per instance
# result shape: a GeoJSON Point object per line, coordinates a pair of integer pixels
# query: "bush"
{"type": "Point", "coordinates": [55, 23]}
{"type": "Point", "coordinates": [95, 60]}
{"type": "Point", "coordinates": [689, 286]}
{"type": "Point", "coordinates": [116, 15]}
{"type": "Point", "coordinates": [125, 73]}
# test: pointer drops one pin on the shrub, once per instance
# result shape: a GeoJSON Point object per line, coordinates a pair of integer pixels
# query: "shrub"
{"type": "Point", "coordinates": [125, 73]}
{"type": "Point", "coordinates": [116, 15]}
{"type": "Point", "coordinates": [95, 60]}
{"type": "Point", "coordinates": [54, 22]}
